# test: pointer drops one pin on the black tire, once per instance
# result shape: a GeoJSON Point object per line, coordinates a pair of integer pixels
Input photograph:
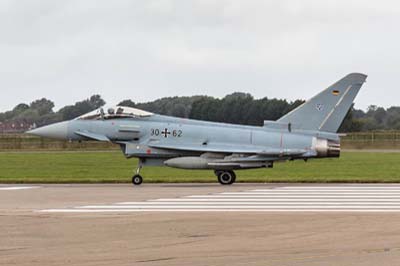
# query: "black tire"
{"type": "Point", "coordinates": [137, 180]}
{"type": "Point", "coordinates": [234, 177]}
{"type": "Point", "coordinates": [226, 177]}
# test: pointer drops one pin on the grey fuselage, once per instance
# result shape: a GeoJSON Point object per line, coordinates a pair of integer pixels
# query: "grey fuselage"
{"type": "Point", "coordinates": [157, 138]}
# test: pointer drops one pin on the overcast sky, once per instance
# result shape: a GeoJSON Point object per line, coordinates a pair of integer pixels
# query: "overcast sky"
{"type": "Point", "coordinates": [142, 50]}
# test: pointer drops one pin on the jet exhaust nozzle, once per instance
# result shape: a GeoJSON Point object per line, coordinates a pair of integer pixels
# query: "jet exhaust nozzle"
{"type": "Point", "coordinates": [327, 148]}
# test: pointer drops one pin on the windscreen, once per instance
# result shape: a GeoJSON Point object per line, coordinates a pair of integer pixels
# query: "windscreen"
{"type": "Point", "coordinates": [114, 112]}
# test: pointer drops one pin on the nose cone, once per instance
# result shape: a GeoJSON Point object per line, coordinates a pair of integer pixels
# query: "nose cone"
{"type": "Point", "coordinates": [54, 131]}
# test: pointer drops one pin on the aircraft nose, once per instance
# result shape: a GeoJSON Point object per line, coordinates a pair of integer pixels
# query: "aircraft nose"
{"type": "Point", "coordinates": [54, 131]}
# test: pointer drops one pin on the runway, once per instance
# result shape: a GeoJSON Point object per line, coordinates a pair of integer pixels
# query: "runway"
{"type": "Point", "coordinates": [334, 198]}
{"type": "Point", "coordinates": [200, 224]}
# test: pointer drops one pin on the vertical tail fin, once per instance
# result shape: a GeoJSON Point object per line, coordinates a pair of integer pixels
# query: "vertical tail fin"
{"type": "Point", "coordinates": [327, 110]}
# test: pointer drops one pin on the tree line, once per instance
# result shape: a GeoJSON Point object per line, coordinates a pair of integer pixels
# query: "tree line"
{"type": "Point", "coordinates": [237, 108]}
{"type": "Point", "coordinates": [40, 112]}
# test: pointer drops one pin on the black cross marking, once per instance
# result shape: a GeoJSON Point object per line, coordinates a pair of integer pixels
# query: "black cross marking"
{"type": "Point", "coordinates": [165, 132]}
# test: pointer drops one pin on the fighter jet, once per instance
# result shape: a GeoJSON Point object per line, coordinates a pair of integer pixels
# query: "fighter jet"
{"type": "Point", "coordinates": [307, 132]}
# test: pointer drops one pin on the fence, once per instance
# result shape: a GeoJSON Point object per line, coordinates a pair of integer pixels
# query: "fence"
{"type": "Point", "coordinates": [13, 142]}
{"type": "Point", "coordinates": [372, 140]}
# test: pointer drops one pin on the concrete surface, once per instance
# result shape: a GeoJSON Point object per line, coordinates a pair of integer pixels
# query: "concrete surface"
{"type": "Point", "coordinates": [200, 224]}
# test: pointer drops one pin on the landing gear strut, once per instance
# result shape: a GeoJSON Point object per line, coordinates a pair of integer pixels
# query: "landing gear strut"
{"type": "Point", "coordinates": [137, 179]}
{"type": "Point", "coordinates": [225, 177]}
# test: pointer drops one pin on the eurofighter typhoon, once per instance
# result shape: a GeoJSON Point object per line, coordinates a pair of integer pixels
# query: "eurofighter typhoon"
{"type": "Point", "coordinates": [309, 131]}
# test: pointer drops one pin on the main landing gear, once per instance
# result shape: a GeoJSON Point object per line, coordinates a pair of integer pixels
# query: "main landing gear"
{"type": "Point", "coordinates": [225, 177]}
{"type": "Point", "coordinates": [137, 179]}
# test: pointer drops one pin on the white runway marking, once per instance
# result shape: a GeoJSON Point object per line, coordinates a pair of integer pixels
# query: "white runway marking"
{"type": "Point", "coordinates": [296, 196]}
{"type": "Point", "coordinates": [267, 200]}
{"type": "Point", "coordinates": [339, 198]}
{"type": "Point", "coordinates": [209, 210]}
{"type": "Point", "coordinates": [16, 188]}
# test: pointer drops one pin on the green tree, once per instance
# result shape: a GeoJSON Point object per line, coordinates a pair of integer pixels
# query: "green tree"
{"type": "Point", "coordinates": [43, 106]}
{"type": "Point", "coordinates": [127, 103]}
{"type": "Point", "coordinates": [82, 107]}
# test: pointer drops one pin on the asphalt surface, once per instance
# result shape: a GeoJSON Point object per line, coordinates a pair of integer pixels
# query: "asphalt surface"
{"type": "Point", "coordinates": [200, 224]}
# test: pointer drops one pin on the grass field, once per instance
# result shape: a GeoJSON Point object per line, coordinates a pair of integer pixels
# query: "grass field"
{"type": "Point", "coordinates": [91, 167]}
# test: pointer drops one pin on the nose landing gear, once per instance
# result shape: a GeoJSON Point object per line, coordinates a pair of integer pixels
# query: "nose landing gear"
{"type": "Point", "coordinates": [137, 179]}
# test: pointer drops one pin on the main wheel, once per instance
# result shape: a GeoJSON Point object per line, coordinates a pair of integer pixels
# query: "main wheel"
{"type": "Point", "coordinates": [234, 177]}
{"type": "Point", "coordinates": [226, 177]}
{"type": "Point", "coordinates": [137, 179]}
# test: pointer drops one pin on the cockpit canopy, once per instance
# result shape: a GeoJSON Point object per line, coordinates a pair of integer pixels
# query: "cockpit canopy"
{"type": "Point", "coordinates": [114, 112]}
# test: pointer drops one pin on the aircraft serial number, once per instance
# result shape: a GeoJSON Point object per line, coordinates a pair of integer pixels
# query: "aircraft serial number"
{"type": "Point", "coordinates": [166, 133]}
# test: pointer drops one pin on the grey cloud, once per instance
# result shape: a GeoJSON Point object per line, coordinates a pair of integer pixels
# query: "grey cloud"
{"type": "Point", "coordinates": [143, 50]}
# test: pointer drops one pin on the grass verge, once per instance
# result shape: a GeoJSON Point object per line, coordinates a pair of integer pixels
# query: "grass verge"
{"type": "Point", "coordinates": [112, 167]}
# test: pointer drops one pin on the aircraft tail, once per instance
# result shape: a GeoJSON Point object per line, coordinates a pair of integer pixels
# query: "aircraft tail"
{"type": "Point", "coordinates": [327, 110]}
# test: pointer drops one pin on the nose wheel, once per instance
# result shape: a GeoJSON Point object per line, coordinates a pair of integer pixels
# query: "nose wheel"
{"type": "Point", "coordinates": [137, 179]}
{"type": "Point", "coordinates": [226, 177]}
